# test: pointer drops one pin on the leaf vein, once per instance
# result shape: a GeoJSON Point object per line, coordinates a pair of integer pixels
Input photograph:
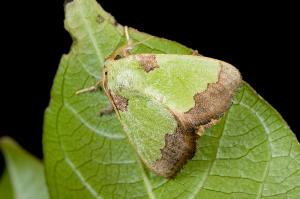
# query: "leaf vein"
{"type": "Point", "coordinates": [89, 126]}
{"type": "Point", "coordinates": [267, 130]}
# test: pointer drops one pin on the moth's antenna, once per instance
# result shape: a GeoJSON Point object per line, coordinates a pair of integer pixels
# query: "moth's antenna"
{"type": "Point", "coordinates": [125, 50]}
{"type": "Point", "coordinates": [129, 40]}
{"type": "Point", "coordinates": [126, 33]}
{"type": "Point", "coordinates": [144, 40]}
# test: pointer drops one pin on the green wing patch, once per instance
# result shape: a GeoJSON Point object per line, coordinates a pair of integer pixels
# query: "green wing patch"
{"type": "Point", "coordinates": [163, 100]}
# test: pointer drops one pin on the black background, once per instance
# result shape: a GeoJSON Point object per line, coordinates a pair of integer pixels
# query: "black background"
{"type": "Point", "coordinates": [260, 40]}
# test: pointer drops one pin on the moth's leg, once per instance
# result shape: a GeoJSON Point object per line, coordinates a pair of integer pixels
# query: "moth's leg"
{"type": "Point", "coordinates": [94, 88]}
{"type": "Point", "coordinates": [201, 129]}
{"type": "Point", "coordinates": [129, 46]}
{"type": "Point", "coordinates": [106, 111]}
{"type": "Point", "coordinates": [124, 51]}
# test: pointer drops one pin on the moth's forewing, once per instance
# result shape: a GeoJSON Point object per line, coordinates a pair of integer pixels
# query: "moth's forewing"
{"type": "Point", "coordinates": [162, 100]}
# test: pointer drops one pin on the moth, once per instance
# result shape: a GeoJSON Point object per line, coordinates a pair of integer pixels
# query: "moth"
{"type": "Point", "coordinates": [165, 102]}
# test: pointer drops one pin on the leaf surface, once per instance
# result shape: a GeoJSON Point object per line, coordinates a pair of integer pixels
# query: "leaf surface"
{"type": "Point", "coordinates": [251, 153]}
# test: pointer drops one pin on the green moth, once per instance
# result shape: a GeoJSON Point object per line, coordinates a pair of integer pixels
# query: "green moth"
{"type": "Point", "coordinates": [165, 101]}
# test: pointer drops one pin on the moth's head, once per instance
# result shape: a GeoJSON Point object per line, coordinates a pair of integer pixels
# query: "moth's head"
{"type": "Point", "coordinates": [124, 73]}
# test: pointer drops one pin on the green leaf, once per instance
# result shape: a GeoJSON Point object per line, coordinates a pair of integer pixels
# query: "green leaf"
{"type": "Point", "coordinates": [251, 153]}
{"type": "Point", "coordinates": [24, 175]}
{"type": "Point", "coordinates": [5, 186]}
